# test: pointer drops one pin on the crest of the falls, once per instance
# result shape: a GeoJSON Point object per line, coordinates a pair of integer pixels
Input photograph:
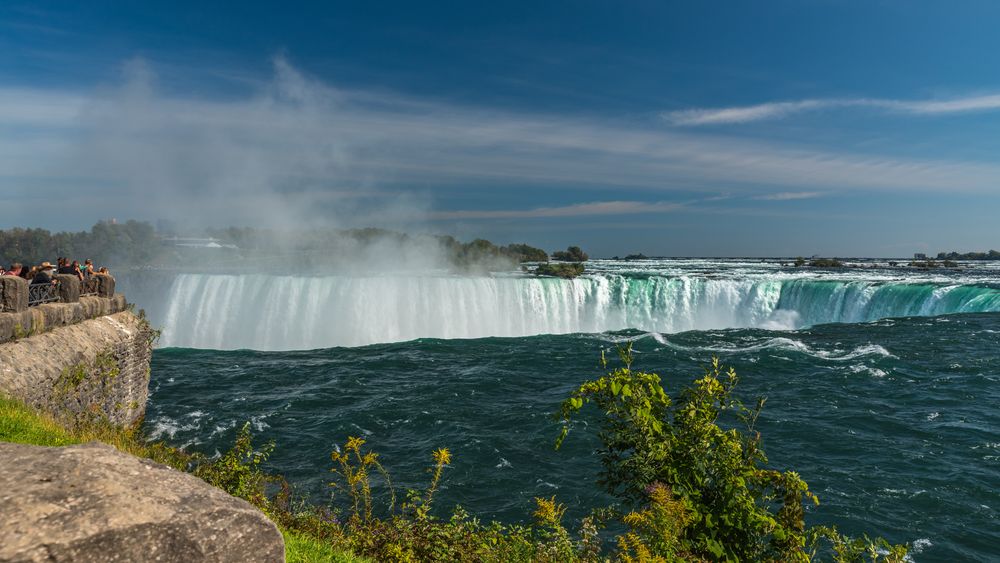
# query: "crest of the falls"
{"type": "Point", "coordinates": [268, 312]}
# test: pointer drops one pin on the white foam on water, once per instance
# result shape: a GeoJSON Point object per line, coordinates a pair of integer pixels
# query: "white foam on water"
{"type": "Point", "coordinates": [782, 343]}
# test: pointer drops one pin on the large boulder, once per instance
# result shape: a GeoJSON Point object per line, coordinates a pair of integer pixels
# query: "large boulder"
{"type": "Point", "coordinates": [94, 503]}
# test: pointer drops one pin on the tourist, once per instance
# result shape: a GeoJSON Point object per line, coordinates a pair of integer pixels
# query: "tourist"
{"type": "Point", "coordinates": [65, 267]}
{"type": "Point", "coordinates": [88, 268]}
{"type": "Point", "coordinates": [44, 275]}
{"type": "Point", "coordinates": [15, 269]}
{"type": "Point", "coordinates": [76, 270]}
{"type": "Point", "coordinates": [29, 274]}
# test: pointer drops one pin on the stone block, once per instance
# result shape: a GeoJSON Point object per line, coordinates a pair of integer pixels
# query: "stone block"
{"type": "Point", "coordinates": [14, 325]}
{"type": "Point", "coordinates": [94, 503]}
{"type": "Point", "coordinates": [53, 315]}
{"type": "Point", "coordinates": [91, 306]}
{"type": "Point", "coordinates": [69, 288]}
{"type": "Point", "coordinates": [13, 294]}
{"type": "Point", "coordinates": [105, 285]}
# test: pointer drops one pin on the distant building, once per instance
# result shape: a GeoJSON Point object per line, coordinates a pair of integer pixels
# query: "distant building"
{"type": "Point", "coordinates": [920, 256]}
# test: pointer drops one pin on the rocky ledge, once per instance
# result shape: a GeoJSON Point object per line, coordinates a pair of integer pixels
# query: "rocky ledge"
{"type": "Point", "coordinates": [94, 503]}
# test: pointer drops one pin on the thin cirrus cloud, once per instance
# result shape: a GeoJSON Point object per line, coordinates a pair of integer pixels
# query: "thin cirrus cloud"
{"type": "Point", "coordinates": [788, 196]}
{"type": "Point", "coordinates": [575, 210]}
{"type": "Point", "coordinates": [779, 110]}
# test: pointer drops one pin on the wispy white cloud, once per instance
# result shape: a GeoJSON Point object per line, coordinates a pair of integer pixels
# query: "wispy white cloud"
{"type": "Point", "coordinates": [787, 196]}
{"type": "Point", "coordinates": [576, 210]}
{"type": "Point", "coordinates": [778, 110]}
{"type": "Point", "coordinates": [286, 148]}
{"type": "Point", "coordinates": [743, 114]}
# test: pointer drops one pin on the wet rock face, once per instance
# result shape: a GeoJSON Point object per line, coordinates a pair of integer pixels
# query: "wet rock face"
{"type": "Point", "coordinates": [94, 503]}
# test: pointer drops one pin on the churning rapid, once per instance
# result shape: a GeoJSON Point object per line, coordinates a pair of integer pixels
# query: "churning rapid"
{"type": "Point", "coordinates": [271, 312]}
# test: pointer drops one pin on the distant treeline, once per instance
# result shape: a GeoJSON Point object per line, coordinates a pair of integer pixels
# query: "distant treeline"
{"type": "Point", "coordinates": [137, 244]}
{"type": "Point", "coordinates": [106, 243]}
{"type": "Point", "coordinates": [991, 255]}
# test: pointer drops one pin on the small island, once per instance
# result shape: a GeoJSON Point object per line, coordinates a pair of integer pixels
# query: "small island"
{"type": "Point", "coordinates": [563, 270]}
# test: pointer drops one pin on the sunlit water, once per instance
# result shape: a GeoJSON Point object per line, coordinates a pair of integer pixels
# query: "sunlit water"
{"type": "Point", "coordinates": [893, 422]}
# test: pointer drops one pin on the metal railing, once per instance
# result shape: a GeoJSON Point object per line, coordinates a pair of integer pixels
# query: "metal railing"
{"type": "Point", "coordinates": [42, 293]}
{"type": "Point", "coordinates": [88, 286]}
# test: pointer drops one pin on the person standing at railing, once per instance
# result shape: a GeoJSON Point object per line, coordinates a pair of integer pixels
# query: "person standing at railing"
{"type": "Point", "coordinates": [15, 269]}
{"type": "Point", "coordinates": [76, 270]}
{"type": "Point", "coordinates": [65, 267]}
{"type": "Point", "coordinates": [44, 275]}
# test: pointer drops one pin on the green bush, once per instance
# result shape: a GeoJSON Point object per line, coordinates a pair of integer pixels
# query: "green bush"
{"type": "Point", "coordinates": [567, 271]}
{"type": "Point", "coordinates": [701, 491]}
{"type": "Point", "coordinates": [571, 254]}
{"type": "Point", "coordinates": [825, 263]}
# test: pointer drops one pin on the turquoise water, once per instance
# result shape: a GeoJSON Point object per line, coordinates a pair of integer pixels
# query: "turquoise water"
{"type": "Point", "coordinates": [893, 422]}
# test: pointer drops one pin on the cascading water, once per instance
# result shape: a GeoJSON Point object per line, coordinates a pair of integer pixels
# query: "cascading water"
{"type": "Point", "coordinates": [265, 312]}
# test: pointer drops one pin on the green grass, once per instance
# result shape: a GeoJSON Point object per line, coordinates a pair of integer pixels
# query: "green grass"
{"type": "Point", "coordinates": [22, 424]}
{"type": "Point", "coordinates": [304, 549]}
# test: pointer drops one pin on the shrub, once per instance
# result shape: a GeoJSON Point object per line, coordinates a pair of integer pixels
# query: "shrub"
{"type": "Point", "coordinates": [703, 492]}
{"type": "Point", "coordinates": [238, 471]}
{"type": "Point", "coordinates": [567, 271]}
{"type": "Point", "coordinates": [571, 254]}
{"type": "Point", "coordinates": [825, 263]}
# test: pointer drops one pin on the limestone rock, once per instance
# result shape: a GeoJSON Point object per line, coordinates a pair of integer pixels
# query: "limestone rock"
{"type": "Point", "coordinates": [92, 503]}
{"type": "Point", "coordinates": [69, 288]}
{"type": "Point", "coordinates": [104, 284]}
{"type": "Point", "coordinates": [13, 294]}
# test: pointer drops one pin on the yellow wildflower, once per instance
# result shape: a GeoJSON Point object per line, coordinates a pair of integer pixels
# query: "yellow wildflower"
{"type": "Point", "coordinates": [442, 456]}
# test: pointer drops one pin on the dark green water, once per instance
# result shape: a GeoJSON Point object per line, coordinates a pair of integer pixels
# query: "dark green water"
{"type": "Point", "coordinates": [894, 424]}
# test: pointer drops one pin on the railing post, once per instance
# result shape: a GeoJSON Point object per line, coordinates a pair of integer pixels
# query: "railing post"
{"type": "Point", "coordinates": [69, 288]}
{"type": "Point", "coordinates": [13, 294]}
{"type": "Point", "coordinates": [104, 284]}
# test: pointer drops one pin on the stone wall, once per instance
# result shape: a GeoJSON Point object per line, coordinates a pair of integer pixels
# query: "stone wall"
{"type": "Point", "coordinates": [80, 358]}
{"type": "Point", "coordinates": [94, 369]}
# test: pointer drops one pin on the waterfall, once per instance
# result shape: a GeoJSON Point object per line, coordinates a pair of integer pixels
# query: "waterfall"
{"type": "Point", "coordinates": [266, 312]}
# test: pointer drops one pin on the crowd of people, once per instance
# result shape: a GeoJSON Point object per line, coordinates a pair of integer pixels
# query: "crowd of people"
{"type": "Point", "coordinates": [44, 273]}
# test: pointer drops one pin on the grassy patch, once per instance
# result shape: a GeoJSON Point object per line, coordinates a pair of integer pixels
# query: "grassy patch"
{"type": "Point", "coordinates": [300, 548]}
{"type": "Point", "coordinates": [23, 425]}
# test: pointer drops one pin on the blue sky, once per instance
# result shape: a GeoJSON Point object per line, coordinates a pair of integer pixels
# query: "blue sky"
{"type": "Point", "coordinates": [676, 128]}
